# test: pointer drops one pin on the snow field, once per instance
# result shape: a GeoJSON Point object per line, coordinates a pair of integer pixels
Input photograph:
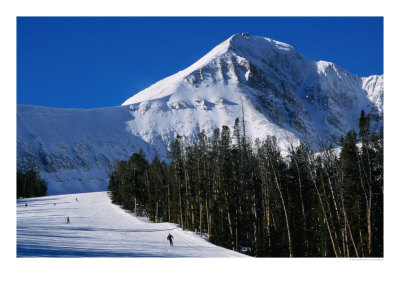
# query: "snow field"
{"type": "Point", "coordinates": [99, 228]}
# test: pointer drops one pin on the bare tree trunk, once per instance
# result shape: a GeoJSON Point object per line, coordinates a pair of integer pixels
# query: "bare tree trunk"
{"type": "Point", "coordinates": [135, 206]}
{"type": "Point", "coordinates": [369, 206]}
{"type": "Point", "coordinates": [157, 211]}
{"type": "Point", "coordinates": [369, 199]}
{"type": "Point", "coordinates": [169, 204]}
{"type": "Point", "coordinates": [326, 219]}
{"type": "Point", "coordinates": [369, 223]}
{"type": "Point", "coordinates": [347, 227]}
{"type": "Point", "coordinates": [201, 218]}
{"type": "Point", "coordinates": [322, 206]}
{"type": "Point", "coordinates": [284, 211]}
{"type": "Point", "coordinates": [341, 224]}
{"type": "Point", "coordinates": [231, 230]}
{"type": "Point", "coordinates": [187, 197]}
{"type": "Point", "coordinates": [291, 149]}
{"type": "Point", "coordinates": [267, 215]}
{"type": "Point", "coordinates": [268, 224]}
{"type": "Point", "coordinates": [330, 215]}
{"type": "Point", "coordinates": [180, 203]}
{"type": "Point", "coordinates": [351, 238]}
{"type": "Point", "coordinates": [361, 172]}
{"type": "Point", "coordinates": [254, 224]}
{"type": "Point", "coordinates": [344, 241]}
{"type": "Point", "coordinates": [208, 220]}
{"type": "Point", "coordinates": [265, 211]}
{"type": "Point", "coordinates": [236, 235]}
{"type": "Point", "coordinates": [199, 199]}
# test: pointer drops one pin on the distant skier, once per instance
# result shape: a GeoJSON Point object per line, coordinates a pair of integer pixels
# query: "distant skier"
{"type": "Point", "coordinates": [26, 204]}
{"type": "Point", "coordinates": [170, 238]}
{"type": "Point", "coordinates": [54, 204]}
{"type": "Point", "coordinates": [67, 220]}
{"type": "Point", "coordinates": [76, 199]}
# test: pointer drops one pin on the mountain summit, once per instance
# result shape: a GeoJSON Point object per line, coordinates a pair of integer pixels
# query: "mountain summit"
{"type": "Point", "coordinates": [277, 90]}
{"type": "Point", "coordinates": [281, 92]}
{"type": "Point", "coordinates": [221, 63]}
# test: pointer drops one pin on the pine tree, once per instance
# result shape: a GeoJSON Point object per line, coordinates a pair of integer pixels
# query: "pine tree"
{"type": "Point", "coordinates": [352, 191]}
{"type": "Point", "coordinates": [30, 184]}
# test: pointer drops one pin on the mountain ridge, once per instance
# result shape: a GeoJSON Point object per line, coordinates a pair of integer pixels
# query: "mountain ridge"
{"type": "Point", "coordinates": [267, 70]}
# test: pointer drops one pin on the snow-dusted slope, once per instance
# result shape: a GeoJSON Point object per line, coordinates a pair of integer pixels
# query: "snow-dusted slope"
{"type": "Point", "coordinates": [99, 228]}
{"type": "Point", "coordinates": [74, 148]}
{"type": "Point", "coordinates": [280, 92]}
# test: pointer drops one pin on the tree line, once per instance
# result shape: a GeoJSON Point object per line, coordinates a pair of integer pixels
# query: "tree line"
{"type": "Point", "coordinates": [29, 184]}
{"type": "Point", "coordinates": [249, 197]}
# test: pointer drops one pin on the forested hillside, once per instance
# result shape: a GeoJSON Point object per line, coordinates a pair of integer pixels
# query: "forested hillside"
{"type": "Point", "coordinates": [252, 197]}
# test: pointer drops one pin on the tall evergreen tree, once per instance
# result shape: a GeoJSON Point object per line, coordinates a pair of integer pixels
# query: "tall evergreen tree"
{"type": "Point", "coordinates": [255, 200]}
{"type": "Point", "coordinates": [30, 184]}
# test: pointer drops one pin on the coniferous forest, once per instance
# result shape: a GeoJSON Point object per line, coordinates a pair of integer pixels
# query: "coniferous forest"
{"type": "Point", "coordinates": [254, 198]}
{"type": "Point", "coordinates": [29, 184]}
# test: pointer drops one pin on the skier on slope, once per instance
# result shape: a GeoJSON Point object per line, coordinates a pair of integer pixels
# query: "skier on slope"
{"type": "Point", "coordinates": [67, 220]}
{"type": "Point", "coordinates": [170, 238]}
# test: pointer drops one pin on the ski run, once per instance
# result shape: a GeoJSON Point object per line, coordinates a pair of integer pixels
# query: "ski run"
{"type": "Point", "coordinates": [98, 228]}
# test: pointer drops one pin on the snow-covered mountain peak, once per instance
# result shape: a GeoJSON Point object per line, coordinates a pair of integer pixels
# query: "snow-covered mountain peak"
{"type": "Point", "coordinates": [171, 84]}
{"type": "Point", "coordinates": [218, 66]}
{"type": "Point", "coordinates": [257, 46]}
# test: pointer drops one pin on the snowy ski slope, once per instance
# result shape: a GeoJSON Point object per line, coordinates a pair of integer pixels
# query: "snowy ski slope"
{"type": "Point", "coordinates": [99, 228]}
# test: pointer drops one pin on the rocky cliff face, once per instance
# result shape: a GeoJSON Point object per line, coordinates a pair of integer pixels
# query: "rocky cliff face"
{"type": "Point", "coordinates": [280, 92]}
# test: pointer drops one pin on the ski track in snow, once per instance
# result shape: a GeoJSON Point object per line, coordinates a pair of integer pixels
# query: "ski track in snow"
{"type": "Point", "coordinates": [99, 228]}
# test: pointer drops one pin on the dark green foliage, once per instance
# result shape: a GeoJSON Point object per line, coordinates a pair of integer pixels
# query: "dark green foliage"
{"type": "Point", "coordinates": [29, 184]}
{"type": "Point", "coordinates": [251, 198]}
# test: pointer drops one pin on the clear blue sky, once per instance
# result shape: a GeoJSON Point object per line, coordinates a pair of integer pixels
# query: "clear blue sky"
{"type": "Point", "coordinates": [99, 62]}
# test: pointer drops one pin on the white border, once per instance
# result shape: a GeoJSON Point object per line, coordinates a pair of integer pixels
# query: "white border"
{"type": "Point", "coordinates": [196, 278]}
